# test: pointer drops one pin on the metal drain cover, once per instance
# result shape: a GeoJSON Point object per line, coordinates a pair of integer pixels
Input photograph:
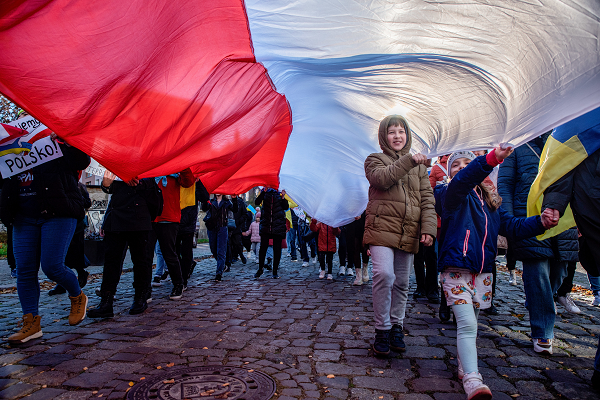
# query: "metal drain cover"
{"type": "Point", "coordinates": [210, 382]}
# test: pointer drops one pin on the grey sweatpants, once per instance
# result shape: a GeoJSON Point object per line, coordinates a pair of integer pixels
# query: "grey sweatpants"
{"type": "Point", "coordinates": [391, 270]}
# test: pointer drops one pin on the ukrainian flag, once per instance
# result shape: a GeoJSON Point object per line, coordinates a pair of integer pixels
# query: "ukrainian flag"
{"type": "Point", "coordinates": [288, 213]}
{"type": "Point", "coordinates": [565, 149]}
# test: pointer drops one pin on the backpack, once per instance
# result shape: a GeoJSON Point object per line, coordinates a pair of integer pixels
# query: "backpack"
{"type": "Point", "coordinates": [154, 200]}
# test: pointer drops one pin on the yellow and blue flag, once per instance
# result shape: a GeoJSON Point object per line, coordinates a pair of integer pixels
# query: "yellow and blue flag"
{"type": "Point", "coordinates": [565, 149]}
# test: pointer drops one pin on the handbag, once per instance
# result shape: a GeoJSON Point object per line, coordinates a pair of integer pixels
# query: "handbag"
{"type": "Point", "coordinates": [230, 220]}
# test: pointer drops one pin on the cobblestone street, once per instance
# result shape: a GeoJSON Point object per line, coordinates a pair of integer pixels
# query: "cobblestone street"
{"type": "Point", "coordinates": [312, 336]}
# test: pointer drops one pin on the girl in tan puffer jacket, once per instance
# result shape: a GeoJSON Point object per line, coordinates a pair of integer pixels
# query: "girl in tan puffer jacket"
{"type": "Point", "coordinates": [400, 214]}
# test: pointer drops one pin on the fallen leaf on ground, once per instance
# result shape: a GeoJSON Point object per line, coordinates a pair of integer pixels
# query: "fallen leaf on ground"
{"type": "Point", "coordinates": [170, 364]}
{"type": "Point", "coordinates": [131, 383]}
{"type": "Point", "coordinates": [169, 381]}
{"type": "Point", "coordinates": [331, 376]}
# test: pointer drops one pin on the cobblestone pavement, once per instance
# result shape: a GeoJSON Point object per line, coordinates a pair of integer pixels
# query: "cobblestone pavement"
{"type": "Point", "coordinates": [312, 336]}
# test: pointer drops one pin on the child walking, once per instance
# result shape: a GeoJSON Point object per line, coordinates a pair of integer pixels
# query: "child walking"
{"type": "Point", "coordinates": [254, 233]}
{"type": "Point", "coordinates": [327, 246]}
{"type": "Point", "coordinates": [400, 214]}
{"type": "Point", "coordinates": [471, 221]}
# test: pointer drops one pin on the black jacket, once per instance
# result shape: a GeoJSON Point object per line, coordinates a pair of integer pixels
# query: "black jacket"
{"type": "Point", "coordinates": [127, 210]}
{"type": "Point", "coordinates": [272, 213]}
{"type": "Point", "coordinates": [515, 177]}
{"type": "Point", "coordinates": [581, 188]}
{"type": "Point", "coordinates": [241, 216]}
{"type": "Point", "coordinates": [189, 217]}
{"type": "Point", "coordinates": [55, 183]}
{"type": "Point", "coordinates": [218, 211]}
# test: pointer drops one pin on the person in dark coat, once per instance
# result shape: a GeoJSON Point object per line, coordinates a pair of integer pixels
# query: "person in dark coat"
{"type": "Point", "coordinates": [184, 242]}
{"type": "Point", "coordinates": [581, 188]}
{"type": "Point", "coordinates": [44, 204]}
{"type": "Point", "coordinates": [272, 226]}
{"type": "Point", "coordinates": [216, 224]}
{"type": "Point", "coordinates": [127, 222]}
{"type": "Point", "coordinates": [241, 224]}
{"type": "Point", "coordinates": [544, 262]}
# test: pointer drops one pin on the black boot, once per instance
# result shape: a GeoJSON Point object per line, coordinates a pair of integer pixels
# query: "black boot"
{"type": "Point", "coordinates": [381, 346]}
{"type": "Point", "coordinates": [397, 339]}
{"type": "Point", "coordinates": [82, 277]}
{"type": "Point", "coordinates": [243, 259]}
{"type": "Point", "coordinates": [57, 290]}
{"type": "Point", "coordinates": [259, 272]}
{"type": "Point", "coordinates": [105, 308]}
{"type": "Point", "coordinates": [444, 309]}
{"type": "Point", "coordinates": [140, 303]}
{"type": "Point", "coordinates": [492, 310]}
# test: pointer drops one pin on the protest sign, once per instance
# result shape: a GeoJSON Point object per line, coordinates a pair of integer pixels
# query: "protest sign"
{"type": "Point", "coordinates": [43, 148]}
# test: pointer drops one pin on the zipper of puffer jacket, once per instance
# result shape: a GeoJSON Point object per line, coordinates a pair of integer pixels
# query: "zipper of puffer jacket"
{"type": "Point", "coordinates": [485, 235]}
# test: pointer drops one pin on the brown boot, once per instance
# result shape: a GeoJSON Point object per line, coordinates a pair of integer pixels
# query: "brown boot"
{"type": "Point", "coordinates": [78, 308]}
{"type": "Point", "coordinates": [31, 329]}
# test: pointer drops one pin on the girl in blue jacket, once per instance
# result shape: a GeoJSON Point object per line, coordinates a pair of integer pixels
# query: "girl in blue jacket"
{"type": "Point", "coordinates": [471, 221]}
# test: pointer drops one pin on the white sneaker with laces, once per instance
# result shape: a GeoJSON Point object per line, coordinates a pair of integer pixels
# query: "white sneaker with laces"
{"type": "Point", "coordinates": [321, 274]}
{"type": "Point", "coordinates": [596, 301]}
{"type": "Point", "coordinates": [329, 277]}
{"type": "Point", "coordinates": [475, 388]}
{"type": "Point", "coordinates": [512, 280]}
{"type": "Point", "coordinates": [315, 260]}
{"type": "Point", "coordinates": [305, 264]}
{"type": "Point", "coordinates": [349, 272]}
{"type": "Point", "coordinates": [542, 346]}
{"type": "Point", "coordinates": [568, 303]}
{"type": "Point", "coordinates": [342, 270]}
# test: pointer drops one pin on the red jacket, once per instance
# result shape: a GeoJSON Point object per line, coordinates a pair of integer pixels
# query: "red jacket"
{"type": "Point", "coordinates": [327, 235]}
{"type": "Point", "coordinates": [171, 209]}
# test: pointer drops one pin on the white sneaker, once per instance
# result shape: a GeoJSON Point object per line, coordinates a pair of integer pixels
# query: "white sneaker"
{"type": "Point", "coordinates": [315, 260]}
{"type": "Point", "coordinates": [322, 274]}
{"type": "Point", "coordinates": [349, 272]}
{"type": "Point", "coordinates": [596, 301]}
{"type": "Point", "coordinates": [358, 281]}
{"type": "Point", "coordinates": [568, 304]}
{"type": "Point", "coordinates": [365, 271]}
{"type": "Point", "coordinates": [342, 270]}
{"type": "Point", "coordinates": [513, 278]}
{"type": "Point", "coordinates": [329, 277]}
{"type": "Point", "coordinates": [542, 346]}
{"type": "Point", "coordinates": [474, 387]}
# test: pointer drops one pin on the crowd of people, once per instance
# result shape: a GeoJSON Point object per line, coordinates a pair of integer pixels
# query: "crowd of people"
{"type": "Point", "coordinates": [444, 222]}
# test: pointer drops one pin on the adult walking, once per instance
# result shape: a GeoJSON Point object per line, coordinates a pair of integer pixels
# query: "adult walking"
{"type": "Point", "coordinates": [400, 215]}
{"type": "Point", "coordinates": [127, 222]}
{"type": "Point", "coordinates": [44, 204]}
{"type": "Point", "coordinates": [544, 262]}
{"type": "Point", "coordinates": [272, 226]}
{"type": "Point", "coordinates": [216, 224]}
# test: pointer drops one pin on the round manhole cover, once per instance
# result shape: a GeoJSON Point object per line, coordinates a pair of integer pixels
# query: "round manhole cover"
{"type": "Point", "coordinates": [210, 382]}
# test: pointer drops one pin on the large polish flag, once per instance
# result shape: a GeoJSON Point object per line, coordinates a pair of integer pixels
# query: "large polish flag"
{"type": "Point", "coordinates": [289, 93]}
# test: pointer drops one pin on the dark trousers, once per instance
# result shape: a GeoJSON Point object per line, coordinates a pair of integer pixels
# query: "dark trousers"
{"type": "Point", "coordinates": [343, 253]}
{"type": "Point", "coordinates": [264, 245]}
{"type": "Point", "coordinates": [237, 248]}
{"type": "Point", "coordinates": [246, 242]}
{"type": "Point", "coordinates": [217, 239]}
{"type": "Point", "coordinates": [567, 284]}
{"type": "Point", "coordinates": [354, 248]}
{"type": "Point", "coordinates": [326, 256]}
{"type": "Point", "coordinates": [426, 258]}
{"type": "Point", "coordinates": [185, 250]}
{"type": "Point", "coordinates": [166, 234]}
{"type": "Point", "coordinates": [511, 261]}
{"type": "Point", "coordinates": [115, 244]}
{"type": "Point", "coordinates": [10, 256]}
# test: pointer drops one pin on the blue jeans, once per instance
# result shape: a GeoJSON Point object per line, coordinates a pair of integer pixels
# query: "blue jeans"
{"type": "Point", "coordinates": [217, 239]}
{"type": "Point", "coordinates": [292, 243]}
{"type": "Point", "coordinates": [594, 284]}
{"type": "Point", "coordinates": [541, 280]}
{"type": "Point", "coordinates": [45, 241]}
{"type": "Point", "coordinates": [161, 265]}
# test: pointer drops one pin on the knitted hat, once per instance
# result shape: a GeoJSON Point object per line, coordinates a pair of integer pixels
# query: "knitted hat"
{"type": "Point", "coordinates": [460, 154]}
